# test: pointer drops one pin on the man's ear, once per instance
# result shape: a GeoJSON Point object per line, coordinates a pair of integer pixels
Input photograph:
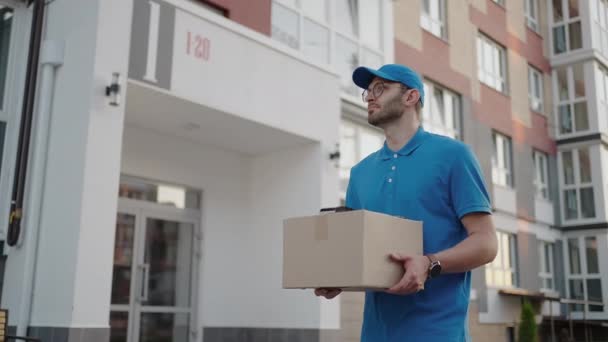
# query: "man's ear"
{"type": "Point", "coordinates": [412, 97]}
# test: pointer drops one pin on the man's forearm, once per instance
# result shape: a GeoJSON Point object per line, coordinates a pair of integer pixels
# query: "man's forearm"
{"type": "Point", "coordinates": [477, 249]}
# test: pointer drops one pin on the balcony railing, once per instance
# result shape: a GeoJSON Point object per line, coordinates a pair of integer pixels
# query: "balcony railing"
{"type": "Point", "coordinates": [570, 302]}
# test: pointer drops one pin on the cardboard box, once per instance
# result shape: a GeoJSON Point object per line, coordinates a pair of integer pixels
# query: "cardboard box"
{"type": "Point", "coordinates": [348, 250]}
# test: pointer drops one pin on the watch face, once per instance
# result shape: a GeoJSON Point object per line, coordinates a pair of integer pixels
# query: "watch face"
{"type": "Point", "coordinates": [435, 270]}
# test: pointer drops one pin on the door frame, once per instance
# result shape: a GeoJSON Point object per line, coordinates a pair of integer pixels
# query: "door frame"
{"type": "Point", "coordinates": [142, 210]}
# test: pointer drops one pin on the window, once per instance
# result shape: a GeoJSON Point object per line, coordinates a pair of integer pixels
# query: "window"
{"type": "Point", "coordinates": [347, 59]}
{"type": "Point", "coordinates": [584, 280]}
{"type": "Point", "coordinates": [545, 252]}
{"type": "Point", "coordinates": [492, 63]}
{"type": "Point", "coordinates": [347, 17]}
{"type": "Point", "coordinates": [599, 12]}
{"type": "Point", "coordinates": [602, 88]}
{"type": "Point", "coordinates": [535, 89]}
{"type": "Point", "coordinates": [566, 26]}
{"type": "Point", "coordinates": [303, 28]}
{"type": "Point", "coordinates": [150, 191]}
{"type": "Point", "coordinates": [541, 183]}
{"type": "Point", "coordinates": [502, 169]}
{"type": "Point", "coordinates": [531, 10]}
{"type": "Point", "coordinates": [569, 83]}
{"type": "Point", "coordinates": [307, 26]}
{"type": "Point", "coordinates": [502, 272]}
{"type": "Point", "coordinates": [356, 142]}
{"type": "Point", "coordinates": [433, 17]}
{"type": "Point", "coordinates": [441, 113]}
{"type": "Point", "coordinates": [576, 184]}
{"type": "Point", "coordinates": [367, 42]}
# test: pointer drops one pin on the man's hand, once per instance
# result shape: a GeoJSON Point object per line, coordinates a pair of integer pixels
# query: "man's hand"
{"type": "Point", "coordinates": [416, 271]}
{"type": "Point", "coordinates": [328, 293]}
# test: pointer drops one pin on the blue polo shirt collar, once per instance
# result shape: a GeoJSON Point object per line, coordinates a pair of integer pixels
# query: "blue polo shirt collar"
{"type": "Point", "coordinates": [408, 149]}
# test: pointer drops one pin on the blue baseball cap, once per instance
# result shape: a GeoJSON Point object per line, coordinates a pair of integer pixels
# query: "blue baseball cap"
{"type": "Point", "coordinates": [363, 76]}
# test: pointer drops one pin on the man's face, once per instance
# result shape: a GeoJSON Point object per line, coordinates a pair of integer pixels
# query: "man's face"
{"type": "Point", "coordinates": [384, 102]}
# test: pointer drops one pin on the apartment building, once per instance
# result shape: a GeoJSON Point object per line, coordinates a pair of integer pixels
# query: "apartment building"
{"type": "Point", "coordinates": [524, 83]}
{"type": "Point", "coordinates": [158, 212]}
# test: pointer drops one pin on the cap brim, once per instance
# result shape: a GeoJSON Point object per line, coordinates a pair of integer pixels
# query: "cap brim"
{"type": "Point", "coordinates": [363, 76]}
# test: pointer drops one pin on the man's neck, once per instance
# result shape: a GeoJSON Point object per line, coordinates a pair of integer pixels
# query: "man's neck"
{"type": "Point", "coordinates": [400, 132]}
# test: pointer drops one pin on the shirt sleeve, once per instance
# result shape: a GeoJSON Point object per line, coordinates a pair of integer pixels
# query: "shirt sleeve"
{"type": "Point", "coordinates": [467, 187]}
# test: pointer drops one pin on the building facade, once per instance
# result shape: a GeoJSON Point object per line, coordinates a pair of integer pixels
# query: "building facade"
{"type": "Point", "coordinates": [158, 214]}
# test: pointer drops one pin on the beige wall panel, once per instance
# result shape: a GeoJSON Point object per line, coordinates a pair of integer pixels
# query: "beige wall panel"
{"type": "Point", "coordinates": [516, 19]}
{"type": "Point", "coordinates": [461, 35]}
{"type": "Point", "coordinates": [406, 14]}
{"type": "Point", "coordinates": [475, 84]}
{"type": "Point", "coordinates": [480, 5]}
{"type": "Point", "coordinates": [518, 87]}
{"type": "Point", "coordinates": [544, 26]}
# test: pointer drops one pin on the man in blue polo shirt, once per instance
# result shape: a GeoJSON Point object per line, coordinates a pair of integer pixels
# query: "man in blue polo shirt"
{"type": "Point", "coordinates": [426, 177]}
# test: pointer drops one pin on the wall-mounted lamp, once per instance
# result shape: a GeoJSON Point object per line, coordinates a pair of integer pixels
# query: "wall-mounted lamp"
{"type": "Point", "coordinates": [335, 156]}
{"type": "Point", "coordinates": [113, 90]}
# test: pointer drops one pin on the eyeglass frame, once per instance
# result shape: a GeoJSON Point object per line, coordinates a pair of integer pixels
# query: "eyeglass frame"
{"type": "Point", "coordinates": [366, 92]}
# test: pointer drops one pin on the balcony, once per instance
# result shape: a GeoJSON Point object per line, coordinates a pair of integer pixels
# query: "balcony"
{"type": "Point", "coordinates": [543, 211]}
{"type": "Point", "coordinates": [504, 199]}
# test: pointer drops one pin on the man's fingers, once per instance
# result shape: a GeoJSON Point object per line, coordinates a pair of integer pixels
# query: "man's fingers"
{"type": "Point", "coordinates": [333, 293]}
{"type": "Point", "coordinates": [403, 284]}
{"type": "Point", "coordinates": [327, 293]}
{"type": "Point", "coordinates": [398, 287]}
{"type": "Point", "coordinates": [399, 257]}
{"type": "Point", "coordinates": [405, 290]}
{"type": "Point", "coordinates": [408, 284]}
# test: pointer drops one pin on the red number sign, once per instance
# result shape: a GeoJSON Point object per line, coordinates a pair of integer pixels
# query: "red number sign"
{"type": "Point", "coordinates": [198, 46]}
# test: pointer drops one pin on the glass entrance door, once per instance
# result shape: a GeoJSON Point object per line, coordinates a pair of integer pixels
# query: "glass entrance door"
{"type": "Point", "coordinates": [154, 276]}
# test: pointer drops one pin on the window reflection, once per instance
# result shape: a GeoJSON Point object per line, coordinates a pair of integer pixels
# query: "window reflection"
{"type": "Point", "coordinates": [347, 17]}
{"type": "Point", "coordinates": [285, 26]}
{"type": "Point", "coordinates": [315, 41]}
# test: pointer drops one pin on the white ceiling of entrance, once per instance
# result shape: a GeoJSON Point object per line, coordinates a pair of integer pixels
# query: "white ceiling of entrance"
{"type": "Point", "coordinates": [161, 112]}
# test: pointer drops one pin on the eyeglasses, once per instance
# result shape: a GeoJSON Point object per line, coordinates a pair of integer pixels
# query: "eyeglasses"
{"type": "Point", "coordinates": [377, 90]}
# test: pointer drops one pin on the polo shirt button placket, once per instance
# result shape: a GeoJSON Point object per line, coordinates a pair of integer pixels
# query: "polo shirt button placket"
{"type": "Point", "coordinates": [390, 179]}
{"type": "Point", "coordinates": [393, 167]}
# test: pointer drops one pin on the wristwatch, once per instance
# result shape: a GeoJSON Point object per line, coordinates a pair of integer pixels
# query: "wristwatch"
{"type": "Point", "coordinates": [434, 267]}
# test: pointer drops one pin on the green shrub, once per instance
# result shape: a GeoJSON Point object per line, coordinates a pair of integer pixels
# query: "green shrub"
{"type": "Point", "coordinates": [527, 326]}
